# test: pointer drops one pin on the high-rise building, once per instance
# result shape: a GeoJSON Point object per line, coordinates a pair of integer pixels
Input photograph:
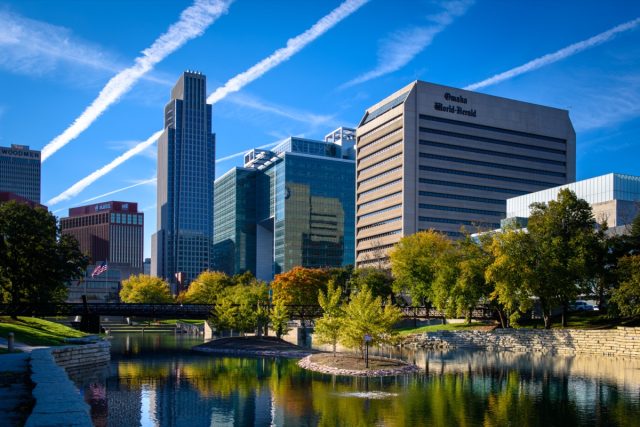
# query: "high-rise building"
{"type": "Point", "coordinates": [110, 232]}
{"type": "Point", "coordinates": [289, 206]}
{"type": "Point", "coordinates": [437, 157]}
{"type": "Point", "coordinates": [20, 171]}
{"type": "Point", "coordinates": [186, 171]}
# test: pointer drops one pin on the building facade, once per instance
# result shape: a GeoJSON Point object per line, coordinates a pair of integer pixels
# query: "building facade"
{"type": "Point", "coordinates": [20, 171]}
{"type": "Point", "coordinates": [614, 198]}
{"type": "Point", "coordinates": [186, 172]}
{"type": "Point", "coordinates": [441, 158]}
{"type": "Point", "coordinates": [289, 206]}
{"type": "Point", "coordinates": [112, 232]}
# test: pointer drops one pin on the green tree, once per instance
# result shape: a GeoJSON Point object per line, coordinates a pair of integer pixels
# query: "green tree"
{"type": "Point", "coordinates": [36, 261]}
{"type": "Point", "coordinates": [365, 315]}
{"type": "Point", "coordinates": [328, 328]}
{"type": "Point", "coordinates": [627, 296]}
{"type": "Point", "coordinates": [143, 289]}
{"type": "Point", "coordinates": [207, 287]}
{"type": "Point", "coordinates": [379, 281]}
{"type": "Point", "coordinates": [414, 263]}
{"type": "Point", "coordinates": [470, 284]}
{"type": "Point", "coordinates": [241, 307]}
{"type": "Point", "coordinates": [279, 318]}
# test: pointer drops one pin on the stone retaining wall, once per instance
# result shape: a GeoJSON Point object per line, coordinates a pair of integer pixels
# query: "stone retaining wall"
{"type": "Point", "coordinates": [621, 342]}
{"type": "Point", "coordinates": [58, 401]}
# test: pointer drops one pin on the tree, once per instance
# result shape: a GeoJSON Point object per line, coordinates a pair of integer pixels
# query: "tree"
{"type": "Point", "coordinates": [627, 296]}
{"type": "Point", "coordinates": [241, 307]}
{"type": "Point", "coordinates": [143, 289]}
{"type": "Point", "coordinates": [365, 315]}
{"type": "Point", "coordinates": [328, 328]}
{"type": "Point", "coordinates": [470, 284]}
{"type": "Point", "coordinates": [207, 287]}
{"type": "Point", "coordinates": [299, 286]}
{"type": "Point", "coordinates": [36, 261]}
{"type": "Point", "coordinates": [414, 263]}
{"type": "Point", "coordinates": [379, 281]}
{"type": "Point", "coordinates": [280, 318]}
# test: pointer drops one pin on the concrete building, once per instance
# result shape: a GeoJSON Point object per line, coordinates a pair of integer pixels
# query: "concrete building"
{"type": "Point", "coordinates": [614, 198]}
{"type": "Point", "coordinates": [186, 171]}
{"type": "Point", "coordinates": [20, 171]}
{"type": "Point", "coordinates": [442, 158]}
{"type": "Point", "coordinates": [112, 232]}
{"type": "Point", "coordinates": [289, 206]}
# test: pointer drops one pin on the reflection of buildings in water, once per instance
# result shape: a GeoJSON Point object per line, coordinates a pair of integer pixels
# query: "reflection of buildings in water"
{"type": "Point", "coordinates": [620, 372]}
{"type": "Point", "coordinates": [124, 404]}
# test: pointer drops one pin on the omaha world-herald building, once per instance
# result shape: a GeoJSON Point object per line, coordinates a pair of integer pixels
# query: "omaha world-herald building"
{"type": "Point", "coordinates": [441, 158]}
{"type": "Point", "coordinates": [289, 206]}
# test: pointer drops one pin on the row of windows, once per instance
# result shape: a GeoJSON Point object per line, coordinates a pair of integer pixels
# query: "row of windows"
{"type": "Point", "coordinates": [490, 164]}
{"type": "Point", "coordinates": [386, 107]}
{"type": "Point", "coordinates": [380, 223]}
{"type": "Point", "coordinates": [471, 186]}
{"type": "Point", "coordinates": [375, 249]}
{"type": "Point", "coordinates": [134, 219]}
{"type": "Point", "coordinates": [384, 125]}
{"type": "Point", "coordinates": [459, 197]}
{"type": "Point", "coordinates": [380, 212]}
{"type": "Point", "coordinates": [376, 142]}
{"type": "Point", "coordinates": [379, 236]}
{"type": "Point", "coordinates": [490, 140]}
{"type": "Point", "coordinates": [380, 175]}
{"type": "Point", "coordinates": [491, 153]}
{"type": "Point", "coordinates": [448, 233]}
{"type": "Point", "coordinates": [380, 164]}
{"type": "Point", "coordinates": [373, 190]}
{"type": "Point", "coordinates": [380, 153]}
{"type": "Point", "coordinates": [488, 176]}
{"type": "Point", "coordinates": [373, 202]}
{"type": "Point", "coordinates": [492, 129]}
{"type": "Point", "coordinates": [457, 221]}
{"type": "Point", "coordinates": [457, 209]}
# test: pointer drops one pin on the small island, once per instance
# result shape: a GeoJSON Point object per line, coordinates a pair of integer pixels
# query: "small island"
{"type": "Point", "coordinates": [254, 346]}
{"type": "Point", "coordinates": [353, 365]}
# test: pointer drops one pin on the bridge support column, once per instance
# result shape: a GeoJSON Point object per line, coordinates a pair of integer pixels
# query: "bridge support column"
{"type": "Point", "coordinates": [90, 323]}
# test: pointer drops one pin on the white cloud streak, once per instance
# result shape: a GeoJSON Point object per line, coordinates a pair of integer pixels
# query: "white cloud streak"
{"type": "Point", "coordinates": [558, 55]}
{"type": "Point", "coordinates": [293, 46]}
{"type": "Point", "coordinates": [242, 153]}
{"type": "Point", "coordinates": [193, 22]}
{"type": "Point", "coordinates": [109, 193]}
{"type": "Point", "coordinates": [79, 186]}
{"type": "Point", "coordinates": [287, 112]}
{"type": "Point", "coordinates": [402, 46]}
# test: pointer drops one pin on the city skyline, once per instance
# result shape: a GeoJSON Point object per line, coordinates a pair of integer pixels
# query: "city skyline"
{"type": "Point", "coordinates": [53, 52]}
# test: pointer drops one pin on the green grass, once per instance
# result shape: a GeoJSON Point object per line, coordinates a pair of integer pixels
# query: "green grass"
{"type": "Point", "coordinates": [578, 320]}
{"type": "Point", "coordinates": [445, 327]}
{"type": "Point", "coordinates": [34, 331]}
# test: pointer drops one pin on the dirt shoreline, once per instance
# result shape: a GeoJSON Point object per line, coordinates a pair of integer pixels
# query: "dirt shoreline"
{"type": "Point", "coordinates": [380, 366]}
{"type": "Point", "coordinates": [254, 346]}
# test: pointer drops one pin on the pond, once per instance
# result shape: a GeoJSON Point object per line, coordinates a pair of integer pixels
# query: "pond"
{"type": "Point", "coordinates": [154, 380]}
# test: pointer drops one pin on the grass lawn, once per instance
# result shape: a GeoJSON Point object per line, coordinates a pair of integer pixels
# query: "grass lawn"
{"type": "Point", "coordinates": [34, 331]}
{"type": "Point", "coordinates": [445, 327]}
{"type": "Point", "coordinates": [581, 320]}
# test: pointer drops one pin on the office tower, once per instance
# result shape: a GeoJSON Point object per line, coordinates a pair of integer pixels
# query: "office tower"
{"type": "Point", "coordinates": [289, 206]}
{"type": "Point", "coordinates": [186, 171]}
{"type": "Point", "coordinates": [614, 198]}
{"type": "Point", "coordinates": [441, 158]}
{"type": "Point", "coordinates": [112, 232]}
{"type": "Point", "coordinates": [20, 171]}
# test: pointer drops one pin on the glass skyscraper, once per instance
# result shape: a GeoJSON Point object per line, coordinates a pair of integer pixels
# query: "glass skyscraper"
{"type": "Point", "coordinates": [186, 172]}
{"type": "Point", "coordinates": [20, 171]}
{"type": "Point", "coordinates": [290, 206]}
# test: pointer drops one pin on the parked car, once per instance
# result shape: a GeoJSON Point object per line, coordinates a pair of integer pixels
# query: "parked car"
{"type": "Point", "coordinates": [580, 306]}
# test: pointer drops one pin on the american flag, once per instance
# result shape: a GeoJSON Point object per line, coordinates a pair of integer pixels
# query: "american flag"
{"type": "Point", "coordinates": [101, 268]}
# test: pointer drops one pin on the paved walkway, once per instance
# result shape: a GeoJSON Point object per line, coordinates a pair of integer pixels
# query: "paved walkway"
{"type": "Point", "coordinates": [19, 346]}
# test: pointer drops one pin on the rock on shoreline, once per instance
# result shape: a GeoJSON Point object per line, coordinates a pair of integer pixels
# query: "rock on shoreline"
{"type": "Point", "coordinates": [402, 369]}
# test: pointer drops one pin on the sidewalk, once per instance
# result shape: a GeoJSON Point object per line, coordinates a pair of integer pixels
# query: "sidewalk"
{"type": "Point", "coordinates": [15, 387]}
{"type": "Point", "coordinates": [19, 346]}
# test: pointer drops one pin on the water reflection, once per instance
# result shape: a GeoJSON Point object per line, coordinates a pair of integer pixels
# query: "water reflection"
{"type": "Point", "coordinates": [149, 382]}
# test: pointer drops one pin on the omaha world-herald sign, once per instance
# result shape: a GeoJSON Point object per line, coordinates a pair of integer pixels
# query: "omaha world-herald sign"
{"type": "Point", "coordinates": [454, 109]}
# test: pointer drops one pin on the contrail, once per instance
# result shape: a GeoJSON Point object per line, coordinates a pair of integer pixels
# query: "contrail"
{"type": "Point", "coordinates": [76, 188]}
{"type": "Point", "coordinates": [137, 184]}
{"type": "Point", "coordinates": [294, 45]}
{"type": "Point", "coordinates": [149, 181]}
{"type": "Point", "coordinates": [193, 22]}
{"type": "Point", "coordinates": [558, 55]}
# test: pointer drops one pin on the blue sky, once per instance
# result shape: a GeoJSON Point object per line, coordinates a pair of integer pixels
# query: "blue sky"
{"type": "Point", "coordinates": [56, 58]}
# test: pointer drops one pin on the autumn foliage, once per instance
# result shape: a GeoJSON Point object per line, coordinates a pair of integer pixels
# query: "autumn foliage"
{"type": "Point", "coordinates": [299, 286]}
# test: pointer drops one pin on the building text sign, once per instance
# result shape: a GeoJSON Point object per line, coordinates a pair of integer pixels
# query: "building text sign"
{"type": "Point", "coordinates": [454, 109]}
